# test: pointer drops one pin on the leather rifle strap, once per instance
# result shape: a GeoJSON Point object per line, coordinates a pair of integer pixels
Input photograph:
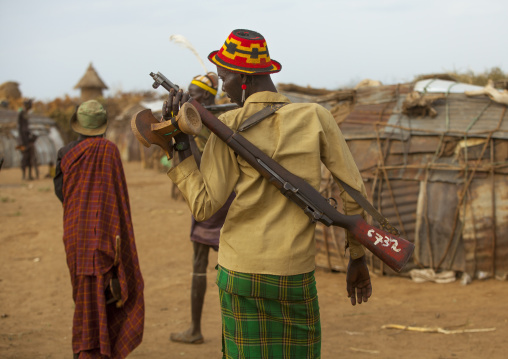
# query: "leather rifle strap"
{"type": "Point", "coordinates": [367, 206]}
{"type": "Point", "coordinates": [356, 195]}
{"type": "Point", "coordinates": [260, 116]}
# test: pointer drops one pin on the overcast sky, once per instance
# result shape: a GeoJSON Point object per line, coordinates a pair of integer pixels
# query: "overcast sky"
{"type": "Point", "coordinates": [46, 46]}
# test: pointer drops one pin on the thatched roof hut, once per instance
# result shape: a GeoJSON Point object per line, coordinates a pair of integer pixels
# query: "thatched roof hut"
{"type": "Point", "coordinates": [91, 85]}
{"type": "Point", "coordinates": [435, 163]}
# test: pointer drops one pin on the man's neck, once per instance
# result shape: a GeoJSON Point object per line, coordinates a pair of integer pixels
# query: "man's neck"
{"type": "Point", "coordinates": [263, 83]}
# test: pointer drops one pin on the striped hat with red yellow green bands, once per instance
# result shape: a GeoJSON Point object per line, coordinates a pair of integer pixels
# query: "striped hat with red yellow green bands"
{"type": "Point", "coordinates": [246, 52]}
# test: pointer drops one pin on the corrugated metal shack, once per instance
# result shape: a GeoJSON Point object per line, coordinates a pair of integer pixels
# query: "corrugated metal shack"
{"type": "Point", "coordinates": [119, 131]}
{"type": "Point", "coordinates": [435, 163]}
{"type": "Point", "coordinates": [48, 142]}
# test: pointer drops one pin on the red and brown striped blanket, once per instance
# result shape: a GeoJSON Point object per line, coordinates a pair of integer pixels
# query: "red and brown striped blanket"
{"type": "Point", "coordinates": [96, 211]}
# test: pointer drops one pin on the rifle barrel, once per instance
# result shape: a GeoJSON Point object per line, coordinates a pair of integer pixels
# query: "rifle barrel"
{"type": "Point", "coordinates": [221, 107]}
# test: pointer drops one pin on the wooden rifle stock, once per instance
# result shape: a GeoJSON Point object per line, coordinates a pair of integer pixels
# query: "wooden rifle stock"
{"type": "Point", "coordinates": [392, 250]}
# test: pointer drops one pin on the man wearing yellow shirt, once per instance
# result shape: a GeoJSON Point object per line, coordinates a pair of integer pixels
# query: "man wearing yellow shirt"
{"type": "Point", "coordinates": [267, 250]}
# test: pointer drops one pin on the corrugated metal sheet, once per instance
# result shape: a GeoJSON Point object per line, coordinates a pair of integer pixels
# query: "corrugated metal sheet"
{"type": "Point", "coordinates": [428, 162]}
{"type": "Point", "coordinates": [435, 215]}
{"type": "Point", "coordinates": [396, 200]}
{"type": "Point", "coordinates": [374, 106]}
{"type": "Point", "coordinates": [485, 233]}
{"type": "Point", "coordinates": [458, 115]}
{"type": "Point", "coordinates": [364, 122]}
{"type": "Point", "coordinates": [375, 95]}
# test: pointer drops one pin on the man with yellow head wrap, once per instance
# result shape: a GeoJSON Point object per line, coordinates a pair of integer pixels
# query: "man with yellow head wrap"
{"type": "Point", "coordinates": [204, 235]}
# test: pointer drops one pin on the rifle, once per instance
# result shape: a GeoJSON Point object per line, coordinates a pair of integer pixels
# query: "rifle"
{"type": "Point", "coordinates": [221, 107]}
{"type": "Point", "coordinates": [392, 250]}
{"type": "Point", "coordinates": [159, 79]}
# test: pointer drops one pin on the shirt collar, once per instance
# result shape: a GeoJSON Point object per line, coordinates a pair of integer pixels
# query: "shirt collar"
{"type": "Point", "coordinates": [266, 96]}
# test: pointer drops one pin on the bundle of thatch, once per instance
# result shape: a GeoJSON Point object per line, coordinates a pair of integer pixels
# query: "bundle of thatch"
{"type": "Point", "coordinates": [492, 93]}
{"type": "Point", "coordinates": [338, 102]}
{"type": "Point", "coordinates": [416, 104]}
{"type": "Point", "coordinates": [303, 90]}
{"type": "Point", "coordinates": [10, 91]}
{"type": "Point", "coordinates": [367, 83]}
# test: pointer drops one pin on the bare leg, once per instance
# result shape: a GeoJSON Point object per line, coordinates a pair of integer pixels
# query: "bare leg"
{"type": "Point", "coordinates": [31, 162]}
{"type": "Point", "coordinates": [24, 162]}
{"type": "Point", "coordinates": [198, 289]}
{"type": "Point", "coordinates": [30, 177]}
{"type": "Point", "coordinates": [36, 167]}
{"type": "Point", "coordinates": [198, 284]}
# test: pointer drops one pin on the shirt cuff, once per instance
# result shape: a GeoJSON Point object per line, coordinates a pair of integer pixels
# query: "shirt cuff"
{"type": "Point", "coordinates": [182, 170]}
{"type": "Point", "coordinates": [356, 250]}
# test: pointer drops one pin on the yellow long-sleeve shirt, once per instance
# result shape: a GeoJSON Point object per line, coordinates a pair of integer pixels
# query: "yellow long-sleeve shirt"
{"type": "Point", "coordinates": [265, 232]}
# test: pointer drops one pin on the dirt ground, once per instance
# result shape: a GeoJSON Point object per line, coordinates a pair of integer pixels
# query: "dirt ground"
{"type": "Point", "coordinates": [36, 305]}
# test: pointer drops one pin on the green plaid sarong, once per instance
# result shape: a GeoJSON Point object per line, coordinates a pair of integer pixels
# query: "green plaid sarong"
{"type": "Point", "coordinates": [269, 316]}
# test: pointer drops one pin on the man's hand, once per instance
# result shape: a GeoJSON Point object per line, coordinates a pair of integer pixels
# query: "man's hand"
{"type": "Point", "coordinates": [173, 104]}
{"type": "Point", "coordinates": [358, 281]}
{"type": "Point", "coordinates": [170, 109]}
